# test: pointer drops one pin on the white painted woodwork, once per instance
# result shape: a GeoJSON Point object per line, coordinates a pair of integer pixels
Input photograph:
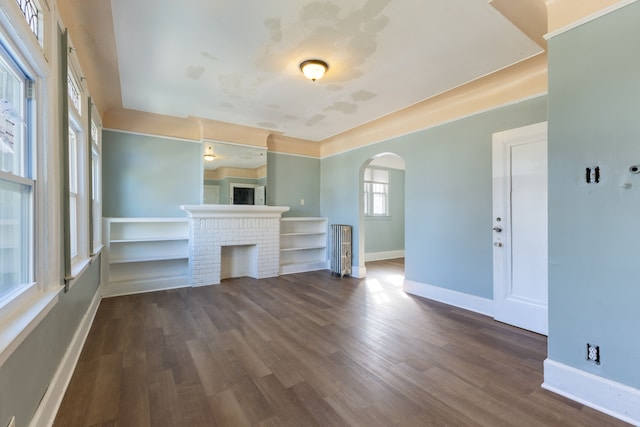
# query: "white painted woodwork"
{"type": "Point", "coordinates": [520, 250]}
{"type": "Point", "coordinates": [145, 254]}
{"type": "Point", "coordinates": [303, 244]}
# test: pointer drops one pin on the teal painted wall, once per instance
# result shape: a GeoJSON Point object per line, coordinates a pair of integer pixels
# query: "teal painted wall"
{"type": "Point", "coordinates": [147, 176]}
{"type": "Point", "coordinates": [594, 230]}
{"type": "Point", "coordinates": [447, 195]}
{"type": "Point", "coordinates": [291, 178]}
{"type": "Point", "coordinates": [387, 233]}
{"type": "Point", "coordinates": [26, 375]}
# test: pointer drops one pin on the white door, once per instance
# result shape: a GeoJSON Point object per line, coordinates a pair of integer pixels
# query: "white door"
{"type": "Point", "coordinates": [259, 195]}
{"type": "Point", "coordinates": [211, 194]}
{"type": "Point", "coordinates": [520, 260]}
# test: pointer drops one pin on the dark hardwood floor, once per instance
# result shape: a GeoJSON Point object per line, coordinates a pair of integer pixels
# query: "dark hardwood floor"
{"type": "Point", "coordinates": [309, 349]}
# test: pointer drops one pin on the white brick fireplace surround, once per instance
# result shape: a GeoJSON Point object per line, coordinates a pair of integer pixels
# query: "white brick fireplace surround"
{"type": "Point", "coordinates": [250, 232]}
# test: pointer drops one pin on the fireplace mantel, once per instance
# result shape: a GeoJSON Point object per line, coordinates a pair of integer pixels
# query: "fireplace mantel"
{"type": "Point", "coordinates": [233, 227]}
{"type": "Point", "coordinates": [234, 211]}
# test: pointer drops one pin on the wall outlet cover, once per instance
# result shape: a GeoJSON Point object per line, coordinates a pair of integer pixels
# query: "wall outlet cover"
{"type": "Point", "coordinates": [593, 353]}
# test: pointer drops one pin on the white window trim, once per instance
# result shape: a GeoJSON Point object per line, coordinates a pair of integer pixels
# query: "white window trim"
{"type": "Point", "coordinates": [21, 316]}
{"type": "Point", "coordinates": [80, 261]}
{"type": "Point", "coordinates": [30, 304]}
{"type": "Point", "coordinates": [96, 201]}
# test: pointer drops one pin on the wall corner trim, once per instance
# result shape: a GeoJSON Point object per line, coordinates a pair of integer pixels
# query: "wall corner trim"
{"type": "Point", "coordinates": [48, 409]}
{"type": "Point", "coordinates": [447, 296]}
{"type": "Point", "coordinates": [613, 398]}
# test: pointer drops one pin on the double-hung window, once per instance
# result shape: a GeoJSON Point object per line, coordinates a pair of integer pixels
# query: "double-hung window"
{"type": "Point", "coordinates": [17, 180]}
{"type": "Point", "coordinates": [96, 185]}
{"type": "Point", "coordinates": [376, 192]}
{"type": "Point", "coordinates": [78, 169]}
{"type": "Point", "coordinates": [73, 190]}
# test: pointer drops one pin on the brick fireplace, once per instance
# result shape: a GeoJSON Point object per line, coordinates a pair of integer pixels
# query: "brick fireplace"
{"type": "Point", "coordinates": [221, 236]}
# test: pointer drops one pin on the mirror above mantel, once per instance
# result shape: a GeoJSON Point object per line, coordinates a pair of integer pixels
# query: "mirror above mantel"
{"type": "Point", "coordinates": [236, 175]}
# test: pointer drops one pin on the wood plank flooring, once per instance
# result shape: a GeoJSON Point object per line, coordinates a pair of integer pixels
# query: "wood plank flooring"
{"type": "Point", "coordinates": [309, 349]}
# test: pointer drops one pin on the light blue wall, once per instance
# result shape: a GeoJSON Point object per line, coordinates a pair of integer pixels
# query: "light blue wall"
{"type": "Point", "coordinates": [291, 178]}
{"type": "Point", "coordinates": [147, 176]}
{"type": "Point", "coordinates": [387, 233]}
{"type": "Point", "coordinates": [447, 195]}
{"type": "Point", "coordinates": [594, 230]}
{"type": "Point", "coordinates": [26, 375]}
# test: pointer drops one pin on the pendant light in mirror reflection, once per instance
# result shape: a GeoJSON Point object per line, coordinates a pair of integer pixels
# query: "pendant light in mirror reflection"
{"type": "Point", "coordinates": [208, 154]}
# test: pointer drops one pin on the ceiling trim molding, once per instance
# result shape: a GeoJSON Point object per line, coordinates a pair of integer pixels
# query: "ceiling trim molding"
{"type": "Point", "coordinates": [564, 23]}
{"type": "Point", "coordinates": [152, 135]}
{"type": "Point", "coordinates": [520, 81]}
{"type": "Point", "coordinates": [455, 119]}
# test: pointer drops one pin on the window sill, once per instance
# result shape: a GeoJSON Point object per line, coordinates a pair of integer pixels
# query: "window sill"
{"type": "Point", "coordinates": [97, 251]}
{"type": "Point", "coordinates": [388, 217]}
{"type": "Point", "coordinates": [77, 270]}
{"type": "Point", "coordinates": [23, 317]}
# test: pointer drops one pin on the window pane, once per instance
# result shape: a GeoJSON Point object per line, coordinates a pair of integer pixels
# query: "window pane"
{"type": "Point", "coordinates": [31, 11]}
{"type": "Point", "coordinates": [15, 236]}
{"type": "Point", "coordinates": [12, 150]}
{"type": "Point", "coordinates": [73, 216]}
{"type": "Point", "coordinates": [73, 161]}
{"type": "Point", "coordinates": [379, 204]}
{"type": "Point", "coordinates": [74, 91]}
{"type": "Point", "coordinates": [95, 194]}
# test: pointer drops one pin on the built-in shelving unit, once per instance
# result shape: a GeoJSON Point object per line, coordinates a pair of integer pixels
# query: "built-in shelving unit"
{"type": "Point", "coordinates": [145, 254]}
{"type": "Point", "coordinates": [303, 244]}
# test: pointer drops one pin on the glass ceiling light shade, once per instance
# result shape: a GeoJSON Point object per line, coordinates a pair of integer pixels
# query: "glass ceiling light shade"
{"type": "Point", "coordinates": [313, 69]}
{"type": "Point", "coordinates": [208, 155]}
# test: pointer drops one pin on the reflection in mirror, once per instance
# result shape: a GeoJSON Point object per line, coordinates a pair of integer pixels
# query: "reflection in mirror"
{"type": "Point", "coordinates": [236, 175]}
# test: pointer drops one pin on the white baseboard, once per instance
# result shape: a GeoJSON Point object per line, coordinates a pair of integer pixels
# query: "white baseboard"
{"type": "Point", "coordinates": [611, 397]}
{"type": "Point", "coordinates": [447, 296]}
{"type": "Point", "coordinates": [379, 256]}
{"type": "Point", "coordinates": [46, 413]}
{"type": "Point", "coordinates": [141, 286]}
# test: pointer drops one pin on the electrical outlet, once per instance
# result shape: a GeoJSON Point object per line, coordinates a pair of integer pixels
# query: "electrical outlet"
{"type": "Point", "coordinates": [593, 353]}
{"type": "Point", "coordinates": [12, 423]}
{"type": "Point", "coordinates": [592, 175]}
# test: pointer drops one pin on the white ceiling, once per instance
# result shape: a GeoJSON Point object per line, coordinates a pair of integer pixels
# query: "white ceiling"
{"type": "Point", "coordinates": [232, 155]}
{"type": "Point", "coordinates": [238, 61]}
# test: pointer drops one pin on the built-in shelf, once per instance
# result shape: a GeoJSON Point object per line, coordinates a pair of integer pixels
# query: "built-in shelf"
{"type": "Point", "coordinates": [145, 254]}
{"type": "Point", "coordinates": [303, 244]}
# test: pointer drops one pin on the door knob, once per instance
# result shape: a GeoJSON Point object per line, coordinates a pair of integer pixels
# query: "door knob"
{"type": "Point", "coordinates": [497, 244]}
{"type": "Point", "coordinates": [497, 229]}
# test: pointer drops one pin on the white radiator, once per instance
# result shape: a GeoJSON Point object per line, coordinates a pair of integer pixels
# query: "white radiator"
{"type": "Point", "coordinates": [341, 249]}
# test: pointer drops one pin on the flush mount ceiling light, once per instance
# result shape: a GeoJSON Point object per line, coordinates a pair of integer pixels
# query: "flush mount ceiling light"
{"type": "Point", "coordinates": [208, 155]}
{"type": "Point", "coordinates": [313, 69]}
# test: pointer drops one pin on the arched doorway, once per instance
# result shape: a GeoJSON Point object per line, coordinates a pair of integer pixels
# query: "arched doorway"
{"type": "Point", "coordinates": [381, 209]}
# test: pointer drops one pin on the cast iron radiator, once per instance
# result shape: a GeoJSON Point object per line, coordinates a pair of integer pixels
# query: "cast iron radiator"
{"type": "Point", "coordinates": [341, 249]}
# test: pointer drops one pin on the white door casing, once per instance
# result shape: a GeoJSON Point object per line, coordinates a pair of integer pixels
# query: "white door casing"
{"type": "Point", "coordinates": [520, 216]}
